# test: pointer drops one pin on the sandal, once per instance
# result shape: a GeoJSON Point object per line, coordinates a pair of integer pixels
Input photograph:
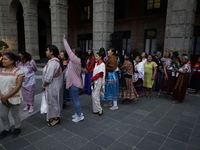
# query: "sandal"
{"type": "Point", "coordinates": [175, 102]}
{"type": "Point", "coordinates": [53, 122]}
{"type": "Point", "coordinates": [136, 99]}
{"type": "Point", "coordinates": [126, 101]}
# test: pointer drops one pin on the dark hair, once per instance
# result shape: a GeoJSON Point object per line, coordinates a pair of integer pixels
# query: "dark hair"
{"type": "Point", "coordinates": [174, 56]}
{"type": "Point", "coordinates": [80, 55]}
{"type": "Point", "coordinates": [140, 57]}
{"type": "Point", "coordinates": [169, 54]}
{"type": "Point", "coordinates": [65, 54]}
{"type": "Point", "coordinates": [12, 56]}
{"type": "Point", "coordinates": [27, 56]}
{"type": "Point", "coordinates": [175, 53]}
{"type": "Point", "coordinates": [151, 56]}
{"type": "Point", "coordinates": [100, 55]}
{"type": "Point", "coordinates": [102, 50]}
{"type": "Point", "coordinates": [54, 49]}
{"type": "Point", "coordinates": [0, 54]}
{"type": "Point", "coordinates": [113, 50]}
{"type": "Point", "coordinates": [130, 59]}
{"type": "Point", "coordinates": [145, 54]}
{"type": "Point", "coordinates": [91, 54]}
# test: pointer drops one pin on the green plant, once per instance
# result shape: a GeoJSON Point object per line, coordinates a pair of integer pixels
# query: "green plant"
{"type": "Point", "coordinates": [2, 43]}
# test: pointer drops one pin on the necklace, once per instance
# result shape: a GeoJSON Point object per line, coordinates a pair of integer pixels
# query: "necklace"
{"type": "Point", "coordinates": [10, 70]}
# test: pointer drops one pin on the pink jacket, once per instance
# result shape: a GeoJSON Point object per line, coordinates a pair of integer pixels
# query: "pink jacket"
{"type": "Point", "coordinates": [74, 69]}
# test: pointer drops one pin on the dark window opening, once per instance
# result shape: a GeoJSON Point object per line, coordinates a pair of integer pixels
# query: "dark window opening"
{"type": "Point", "coordinates": [121, 40]}
{"type": "Point", "coordinates": [85, 42]}
{"type": "Point", "coordinates": [119, 9]}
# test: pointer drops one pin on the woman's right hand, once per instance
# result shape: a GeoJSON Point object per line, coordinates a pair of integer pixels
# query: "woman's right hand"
{"type": "Point", "coordinates": [166, 77]}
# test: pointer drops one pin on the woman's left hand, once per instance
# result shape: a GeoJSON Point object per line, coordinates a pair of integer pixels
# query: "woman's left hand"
{"type": "Point", "coordinates": [92, 82]}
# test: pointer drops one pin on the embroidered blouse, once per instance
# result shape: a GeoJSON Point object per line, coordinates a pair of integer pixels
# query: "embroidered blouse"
{"type": "Point", "coordinates": [8, 81]}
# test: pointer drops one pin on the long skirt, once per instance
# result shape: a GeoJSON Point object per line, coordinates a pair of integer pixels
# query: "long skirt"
{"type": "Point", "coordinates": [111, 87]}
{"type": "Point", "coordinates": [87, 87]}
{"type": "Point", "coordinates": [96, 104]}
{"type": "Point", "coordinates": [195, 82]}
{"type": "Point", "coordinates": [28, 93]}
{"type": "Point", "coordinates": [130, 92]}
{"type": "Point", "coordinates": [158, 81]}
{"type": "Point", "coordinates": [139, 86]}
{"type": "Point", "coordinates": [181, 87]}
{"type": "Point", "coordinates": [168, 85]}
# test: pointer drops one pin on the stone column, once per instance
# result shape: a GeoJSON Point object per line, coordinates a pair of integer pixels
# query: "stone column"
{"type": "Point", "coordinates": [59, 22]}
{"type": "Point", "coordinates": [31, 34]}
{"type": "Point", "coordinates": [31, 28]}
{"type": "Point", "coordinates": [179, 25]}
{"type": "Point", "coordinates": [103, 23]}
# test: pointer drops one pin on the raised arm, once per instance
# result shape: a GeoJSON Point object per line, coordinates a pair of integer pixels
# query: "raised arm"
{"type": "Point", "coordinates": [71, 55]}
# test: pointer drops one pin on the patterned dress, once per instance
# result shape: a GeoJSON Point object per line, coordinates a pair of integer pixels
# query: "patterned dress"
{"type": "Point", "coordinates": [130, 92]}
{"type": "Point", "coordinates": [182, 83]}
{"type": "Point", "coordinates": [148, 74]}
{"type": "Point", "coordinates": [28, 86]}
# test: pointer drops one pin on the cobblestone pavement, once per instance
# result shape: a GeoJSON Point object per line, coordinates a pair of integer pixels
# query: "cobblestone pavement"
{"type": "Point", "coordinates": [142, 125]}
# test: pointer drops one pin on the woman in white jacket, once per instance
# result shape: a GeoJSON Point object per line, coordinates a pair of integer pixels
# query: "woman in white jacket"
{"type": "Point", "coordinates": [98, 82]}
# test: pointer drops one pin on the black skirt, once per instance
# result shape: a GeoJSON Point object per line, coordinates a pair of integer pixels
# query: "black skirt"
{"type": "Point", "coordinates": [195, 82]}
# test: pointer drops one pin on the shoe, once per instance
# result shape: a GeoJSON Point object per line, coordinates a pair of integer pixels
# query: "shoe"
{"type": "Point", "coordinates": [16, 132]}
{"type": "Point", "coordinates": [25, 108]}
{"type": "Point", "coordinates": [75, 115]}
{"type": "Point", "coordinates": [31, 109]}
{"type": "Point", "coordinates": [107, 105]}
{"type": "Point", "coordinates": [114, 108]}
{"type": "Point", "coordinates": [53, 122]}
{"type": "Point", "coordinates": [4, 133]}
{"type": "Point", "coordinates": [100, 114]}
{"type": "Point", "coordinates": [78, 119]}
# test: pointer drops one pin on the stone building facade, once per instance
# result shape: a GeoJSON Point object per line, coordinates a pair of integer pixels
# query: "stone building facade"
{"type": "Point", "coordinates": [140, 25]}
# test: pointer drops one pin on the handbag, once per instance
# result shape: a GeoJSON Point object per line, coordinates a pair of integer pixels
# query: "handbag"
{"type": "Point", "coordinates": [43, 108]}
{"type": "Point", "coordinates": [122, 82]}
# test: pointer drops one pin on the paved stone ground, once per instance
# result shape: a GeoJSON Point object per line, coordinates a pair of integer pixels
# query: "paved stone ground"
{"type": "Point", "coordinates": [143, 125]}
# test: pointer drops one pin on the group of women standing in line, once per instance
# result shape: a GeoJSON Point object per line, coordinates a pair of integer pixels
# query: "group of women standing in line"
{"type": "Point", "coordinates": [62, 80]}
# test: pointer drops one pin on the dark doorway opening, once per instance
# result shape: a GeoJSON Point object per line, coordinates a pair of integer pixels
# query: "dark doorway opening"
{"type": "Point", "coordinates": [20, 29]}
{"type": "Point", "coordinates": [44, 26]}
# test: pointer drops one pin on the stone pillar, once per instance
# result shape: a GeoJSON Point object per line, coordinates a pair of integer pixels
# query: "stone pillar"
{"type": "Point", "coordinates": [31, 29]}
{"type": "Point", "coordinates": [103, 23]}
{"type": "Point", "coordinates": [179, 25]}
{"type": "Point", "coordinates": [59, 23]}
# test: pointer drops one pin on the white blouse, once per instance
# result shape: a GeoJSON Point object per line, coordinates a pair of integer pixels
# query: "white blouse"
{"type": "Point", "coordinates": [8, 81]}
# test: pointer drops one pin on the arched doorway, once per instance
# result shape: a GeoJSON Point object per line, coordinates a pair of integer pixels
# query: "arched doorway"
{"type": "Point", "coordinates": [20, 29]}
{"type": "Point", "coordinates": [44, 26]}
{"type": "Point", "coordinates": [15, 36]}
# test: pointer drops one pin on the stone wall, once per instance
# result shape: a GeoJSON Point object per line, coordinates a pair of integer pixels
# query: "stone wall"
{"type": "Point", "coordinates": [179, 25]}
